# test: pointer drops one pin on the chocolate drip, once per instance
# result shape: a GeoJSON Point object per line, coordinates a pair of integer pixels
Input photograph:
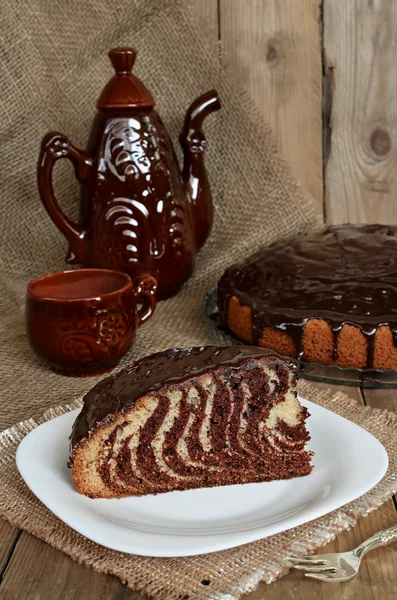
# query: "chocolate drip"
{"type": "Point", "coordinates": [336, 329]}
{"type": "Point", "coordinates": [121, 391]}
{"type": "Point", "coordinates": [344, 274]}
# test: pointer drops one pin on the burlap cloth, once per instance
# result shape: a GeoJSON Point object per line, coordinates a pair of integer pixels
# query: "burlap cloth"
{"type": "Point", "coordinates": [53, 66]}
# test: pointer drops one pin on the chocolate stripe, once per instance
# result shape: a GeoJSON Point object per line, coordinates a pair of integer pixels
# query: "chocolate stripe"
{"type": "Point", "coordinates": [170, 446]}
{"type": "Point", "coordinates": [145, 457]}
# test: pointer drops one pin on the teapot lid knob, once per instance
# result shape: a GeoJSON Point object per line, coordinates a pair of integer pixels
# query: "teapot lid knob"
{"type": "Point", "coordinates": [122, 60]}
{"type": "Point", "coordinates": [124, 90]}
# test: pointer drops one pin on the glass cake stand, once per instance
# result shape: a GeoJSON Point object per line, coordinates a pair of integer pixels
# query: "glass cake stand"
{"type": "Point", "coordinates": [367, 378]}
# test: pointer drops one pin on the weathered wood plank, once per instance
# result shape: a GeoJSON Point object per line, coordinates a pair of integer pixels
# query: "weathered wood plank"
{"type": "Point", "coordinates": [361, 77]}
{"type": "Point", "coordinates": [273, 49]}
{"type": "Point", "coordinates": [207, 13]}
{"type": "Point", "coordinates": [381, 399]}
{"type": "Point", "coordinates": [8, 537]}
{"type": "Point", "coordinates": [36, 570]}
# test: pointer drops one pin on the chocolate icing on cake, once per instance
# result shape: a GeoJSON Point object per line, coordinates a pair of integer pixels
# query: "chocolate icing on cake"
{"type": "Point", "coordinates": [121, 391]}
{"type": "Point", "coordinates": [343, 274]}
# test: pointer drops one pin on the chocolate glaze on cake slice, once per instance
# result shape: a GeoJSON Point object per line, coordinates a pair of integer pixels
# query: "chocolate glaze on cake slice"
{"type": "Point", "coordinates": [189, 418]}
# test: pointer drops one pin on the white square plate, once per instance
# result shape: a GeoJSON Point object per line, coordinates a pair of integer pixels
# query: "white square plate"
{"type": "Point", "coordinates": [348, 462]}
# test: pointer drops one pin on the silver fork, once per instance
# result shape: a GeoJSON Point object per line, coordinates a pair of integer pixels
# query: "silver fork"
{"type": "Point", "coordinates": [341, 566]}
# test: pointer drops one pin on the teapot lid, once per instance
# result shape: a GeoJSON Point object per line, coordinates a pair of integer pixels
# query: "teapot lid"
{"type": "Point", "coordinates": [124, 90]}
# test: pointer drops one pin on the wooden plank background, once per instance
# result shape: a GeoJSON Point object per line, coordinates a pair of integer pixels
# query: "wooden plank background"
{"type": "Point", "coordinates": [323, 73]}
{"type": "Point", "coordinates": [359, 63]}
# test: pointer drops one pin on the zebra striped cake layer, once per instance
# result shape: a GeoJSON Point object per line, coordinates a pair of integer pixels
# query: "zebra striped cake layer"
{"type": "Point", "coordinates": [189, 418]}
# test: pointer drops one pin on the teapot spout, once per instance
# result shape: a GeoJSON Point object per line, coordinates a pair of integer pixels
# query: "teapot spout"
{"type": "Point", "coordinates": [194, 173]}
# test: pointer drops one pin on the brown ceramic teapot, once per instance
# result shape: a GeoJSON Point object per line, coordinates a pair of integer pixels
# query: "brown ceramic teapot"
{"type": "Point", "coordinates": [138, 212]}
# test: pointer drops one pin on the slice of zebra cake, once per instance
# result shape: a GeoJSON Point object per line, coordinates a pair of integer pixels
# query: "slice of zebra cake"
{"type": "Point", "coordinates": [189, 418]}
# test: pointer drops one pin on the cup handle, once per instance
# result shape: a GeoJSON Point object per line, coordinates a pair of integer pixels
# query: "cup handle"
{"type": "Point", "coordinates": [145, 287]}
{"type": "Point", "coordinates": [54, 146]}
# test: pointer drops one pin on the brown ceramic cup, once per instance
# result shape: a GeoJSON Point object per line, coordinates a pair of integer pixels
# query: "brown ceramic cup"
{"type": "Point", "coordinates": [82, 322]}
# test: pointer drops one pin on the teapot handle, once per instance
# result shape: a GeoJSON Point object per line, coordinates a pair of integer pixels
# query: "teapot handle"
{"type": "Point", "coordinates": [145, 287]}
{"type": "Point", "coordinates": [55, 146]}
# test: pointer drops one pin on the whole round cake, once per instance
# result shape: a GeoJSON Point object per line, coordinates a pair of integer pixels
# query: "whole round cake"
{"type": "Point", "coordinates": [328, 297]}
